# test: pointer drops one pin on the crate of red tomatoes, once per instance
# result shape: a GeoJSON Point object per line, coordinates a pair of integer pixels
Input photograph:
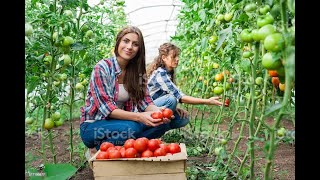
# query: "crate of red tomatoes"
{"type": "Point", "coordinates": [141, 159]}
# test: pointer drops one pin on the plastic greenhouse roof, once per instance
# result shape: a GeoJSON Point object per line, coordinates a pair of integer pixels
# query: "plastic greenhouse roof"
{"type": "Point", "coordinates": [157, 19]}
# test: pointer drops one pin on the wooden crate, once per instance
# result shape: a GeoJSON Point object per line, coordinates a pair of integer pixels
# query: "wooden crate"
{"type": "Point", "coordinates": [154, 168]}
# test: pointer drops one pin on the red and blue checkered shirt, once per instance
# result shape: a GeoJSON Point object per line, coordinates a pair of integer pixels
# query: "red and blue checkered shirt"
{"type": "Point", "coordinates": [160, 84]}
{"type": "Point", "coordinates": [103, 90]}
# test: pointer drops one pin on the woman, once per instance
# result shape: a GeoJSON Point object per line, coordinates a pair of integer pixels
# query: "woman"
{"type": "Point", "coordinates": [161, 84]}
{"type": "Point", "coordinates": [118, 106]}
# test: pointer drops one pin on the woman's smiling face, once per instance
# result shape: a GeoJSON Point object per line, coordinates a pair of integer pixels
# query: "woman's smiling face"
{"type": "Point", "coordinates": [128, 46]}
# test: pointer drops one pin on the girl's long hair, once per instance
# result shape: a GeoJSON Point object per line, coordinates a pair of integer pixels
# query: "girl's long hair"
{"type": "Point", "coordinates": [164, 49]}
{"type": "Point", "coordinates": [134, 79]}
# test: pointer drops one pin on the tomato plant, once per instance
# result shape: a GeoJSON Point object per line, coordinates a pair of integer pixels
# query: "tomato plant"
{"type": "Point", "coordinates": [218, 77]}
{"type": "Point", "coordinates": [264, 9]}
{"type": "Point", "coordinates": [282, 86]}
{"type": "Point", "coordinates": [227, 102]}
{"type": "Point", "coordinates": [273, 73]}
{"type": "Point", "coordinates": [275, 81]}
{"type": "Point", "coordinates": [259, 80]}
{"type": "Point", "coordinates": [274, 42]}
{"type": "Point", "coordinates": [48, 123]}
{"type": "Point", "coordinates": [29, 120]}
{"type": "Point", "coordinates": [270, 62]}
{"type": "Point", "coordinates": [218, 90]}
{"type": "Point", "coordinates": [264, 31]}
{"type": "Point", "coordinates": [250, 7]}
{"type": "Point", "coordinates": [246, 36]}
{"type": "Point", "coordinates": [264, 20]}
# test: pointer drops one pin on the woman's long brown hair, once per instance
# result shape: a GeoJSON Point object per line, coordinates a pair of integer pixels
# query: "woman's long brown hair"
{"type": "Point", "coordinates": [164, 49]}
{"type": "Point", "coordinates": [134, 79]}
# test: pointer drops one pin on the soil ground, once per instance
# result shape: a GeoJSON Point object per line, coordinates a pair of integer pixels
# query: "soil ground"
{"type": "Point", "coordinates": [283, 169]}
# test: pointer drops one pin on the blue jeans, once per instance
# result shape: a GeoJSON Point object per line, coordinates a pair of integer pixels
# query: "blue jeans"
{"type": "Point", "coordinates": [118, 131]}
{"type": "Point", "coordinates": [169, 101]}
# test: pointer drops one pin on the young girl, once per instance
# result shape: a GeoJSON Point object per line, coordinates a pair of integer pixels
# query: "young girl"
{"type": "Point", "coordinates": [162, 88]}
{"type": "Point", "coordinates": [118, 106]}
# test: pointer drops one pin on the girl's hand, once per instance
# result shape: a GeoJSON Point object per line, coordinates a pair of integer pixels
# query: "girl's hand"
{"type": "Point", "coordinates": [215, 101]}
{"type": "Point", "coordinates": [182, 113]}
{"type": "Point", "coordinates": [145, 118]}
{"type": "Point", "coordinates": [166, 120]}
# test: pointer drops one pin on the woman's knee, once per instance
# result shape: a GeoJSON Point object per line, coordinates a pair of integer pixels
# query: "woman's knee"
{"type": "Point", "coordinates": [171, 102]}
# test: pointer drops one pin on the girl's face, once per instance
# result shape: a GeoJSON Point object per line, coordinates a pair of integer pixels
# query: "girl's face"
{"type": "Point", "coordinates": [170, 62]}
{"type": "Point", "coordinates": [128, 46]}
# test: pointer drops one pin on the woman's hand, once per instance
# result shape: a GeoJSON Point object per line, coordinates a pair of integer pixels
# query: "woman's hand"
{"type": "Point", "coordinates": [182, 113]}
{"type": "Point", "coordinates": [215, 101]}
{"type": "Point", "coordinates": [145, 118]}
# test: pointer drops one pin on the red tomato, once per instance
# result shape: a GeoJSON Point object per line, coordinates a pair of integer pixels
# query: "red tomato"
{"type": "Point", "coordinates": [227, 102]}
{"type": "Point", "coordinates": [273, 73]}
{"type": "Point", "coordinates": [174, 148]}
{"type": "Point", "coordinates": [147, 153]}
{"type": "Point", "coordinates": [140, 145]}
{"type": "Point", "coordinates": [159, 152]}
{"type": "Point", "coordinates": [159, 140]}
{"type": "Point", "coordinates": [123, 152]}
{"type": "Point", "coordinates": [153, 144]}
{"type": "Point", "coordinates": [102, 155]}
{"type": "Point", "coordinates": [146, 139]}
{"type": "Point", "coordinates": [129, 143]}
{"type": "Point", "coordinates": [157, 115]}
{"type": "Point", "coordinates": [168, 154]}
{"type": "Point", "coordinates": [111, 149]}
{"type": "Point", "coordinates": [167, 113]}
{"type": "Point", "coordinates": [105, 145]}
{"type": "Point", "coordinates": [131, 153]}
{"type": "Point", "coordinates": [118, 147]}
{"type": "Point", "coordinates": [114, 154]}
{"type": "Point", "coordinates": [165, 147]}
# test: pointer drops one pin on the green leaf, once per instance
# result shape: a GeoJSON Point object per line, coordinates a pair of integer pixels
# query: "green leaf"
{"type": "Point", "coordinates": [223, 34]}
{"type": "Point", "coordinates": [78, 46]}
{"type": "Point", "coordinates": [34, 174]}
{"type": "Point", "coordinates": [202, 15]}
{"type": "Point", "coordinates": [204, 43]}
{"type": "Point", "coordinates": [59, 171]}
{"type": "Point", "coordinates": [273, 108]}
{"type": "Point", "coordinates": [33, 83]}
